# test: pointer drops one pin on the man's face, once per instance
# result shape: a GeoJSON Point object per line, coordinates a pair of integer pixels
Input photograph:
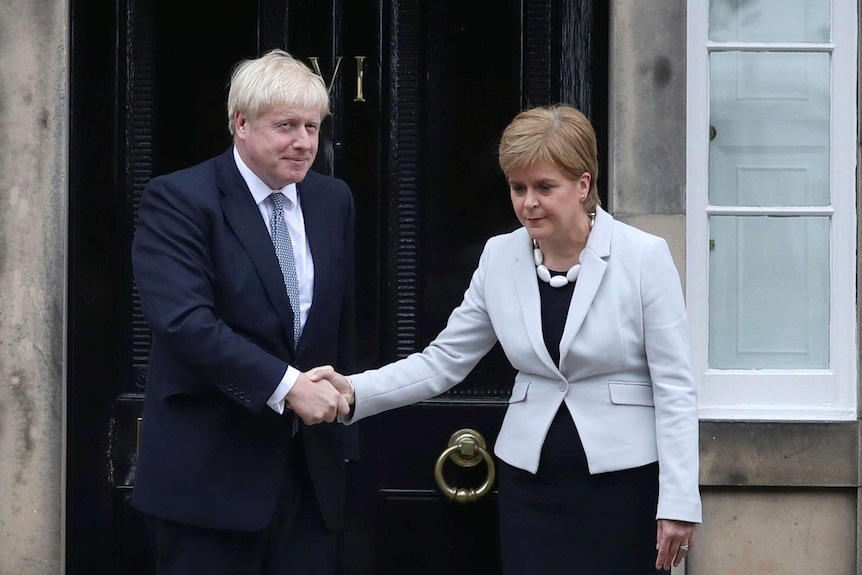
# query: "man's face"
{"type": "Point", "coordinates": [279, 145]}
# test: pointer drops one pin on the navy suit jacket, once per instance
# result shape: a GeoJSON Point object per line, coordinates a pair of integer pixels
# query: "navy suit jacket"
{"type": "Point", "coordinates": [212, 453]}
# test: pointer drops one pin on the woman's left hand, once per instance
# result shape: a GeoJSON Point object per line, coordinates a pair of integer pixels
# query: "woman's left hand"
{"type": "Point", "coordinates": [674, 539]}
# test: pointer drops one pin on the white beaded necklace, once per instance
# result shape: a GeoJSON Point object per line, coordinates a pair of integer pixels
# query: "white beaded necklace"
{"type": "Point", "coordinates": [544, 273]}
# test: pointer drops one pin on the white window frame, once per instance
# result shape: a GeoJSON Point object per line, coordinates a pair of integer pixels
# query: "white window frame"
{"type": "Point", "coordinates": [775, 394]}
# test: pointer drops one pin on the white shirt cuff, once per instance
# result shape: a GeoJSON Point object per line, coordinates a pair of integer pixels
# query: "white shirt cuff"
{"type": "Point", "coordinates": [276, 400]}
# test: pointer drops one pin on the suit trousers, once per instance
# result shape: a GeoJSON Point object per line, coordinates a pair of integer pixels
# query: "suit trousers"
{"type": "Point", "coordinates": [297, 541]}
{"type": "Point", "coordinates": [562, 520]}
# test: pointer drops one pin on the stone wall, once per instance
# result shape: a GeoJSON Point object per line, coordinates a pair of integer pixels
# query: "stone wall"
{"type": "Point", "coordinates": [33, 190]}
{"type": "Point", "coordinates": [778, 497]}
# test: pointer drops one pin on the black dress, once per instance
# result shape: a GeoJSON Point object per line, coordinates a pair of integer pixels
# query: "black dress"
{"type": "Point", "coordinates": [562, 520]}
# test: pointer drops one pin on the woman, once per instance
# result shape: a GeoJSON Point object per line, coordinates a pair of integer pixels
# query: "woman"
{"type": "Point", "coordinates": [599, 445]}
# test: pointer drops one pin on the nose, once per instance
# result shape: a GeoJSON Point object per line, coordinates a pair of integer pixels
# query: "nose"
{"type": "Point", "coordinates": [302, 139]}
{"type": "Point", "coordinates": [531, 200]}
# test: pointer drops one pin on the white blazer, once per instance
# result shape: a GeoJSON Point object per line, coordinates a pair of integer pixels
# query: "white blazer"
{"type": "Point", "coordinates": [625, 370]}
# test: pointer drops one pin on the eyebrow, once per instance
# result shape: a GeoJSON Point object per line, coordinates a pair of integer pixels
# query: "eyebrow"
{"type": "Point", "coordinates": [548, 180]}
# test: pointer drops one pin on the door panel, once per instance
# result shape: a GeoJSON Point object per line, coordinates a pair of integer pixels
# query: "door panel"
{"type": "Point", "coordinates": [453, 89]}
{"type": "Point", "coordinates": [419, 99]}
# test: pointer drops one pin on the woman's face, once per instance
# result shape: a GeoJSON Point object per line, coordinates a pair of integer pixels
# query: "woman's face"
{"type": "Point", "coordinates": [547, 201]}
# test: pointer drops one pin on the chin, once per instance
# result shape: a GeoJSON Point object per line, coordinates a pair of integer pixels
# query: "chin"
{"type": "Point", "coordinates": [537, 233]}
{"type": "Point", "coordinates": [296, 176]}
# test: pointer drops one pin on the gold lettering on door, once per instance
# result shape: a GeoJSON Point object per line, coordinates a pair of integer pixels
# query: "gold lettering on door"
{"type": "Point", "coordinates": [360, 74]}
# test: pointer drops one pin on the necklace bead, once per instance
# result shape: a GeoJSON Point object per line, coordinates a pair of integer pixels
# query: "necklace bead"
{"type": "Point", "coordinates": [556, 281]}
{"type": "Point", "coordinates": [544, 273]}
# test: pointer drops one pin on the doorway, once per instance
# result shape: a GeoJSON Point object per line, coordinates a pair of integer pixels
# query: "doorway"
{"type": "Point", "coordinates": [420, 91]}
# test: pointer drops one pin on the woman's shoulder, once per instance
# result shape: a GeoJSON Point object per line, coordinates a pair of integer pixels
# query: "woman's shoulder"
{"type": "Point", "coordinates": [518, 235]}
{"type": "Point", "coordinates": [634, 236]}
{"type": "Point", "coordinates": [512, 243]}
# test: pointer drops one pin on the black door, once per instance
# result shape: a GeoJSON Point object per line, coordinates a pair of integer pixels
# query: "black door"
{"type": "Point", "coordinates": [421, 91]}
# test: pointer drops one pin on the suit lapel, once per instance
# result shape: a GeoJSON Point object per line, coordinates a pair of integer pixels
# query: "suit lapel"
{"type": "Point", "coordinates": [524, 272]}
{"type": "Point", "coordinates": [318, 230]}
{"type": "Point", "coordinates": [244, 219]}
{"type": "Point", "coordinates": [593, 266]}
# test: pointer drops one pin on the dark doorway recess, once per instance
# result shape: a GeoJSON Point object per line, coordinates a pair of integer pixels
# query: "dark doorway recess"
{"type": "Point", "coordinates": [423, 90]}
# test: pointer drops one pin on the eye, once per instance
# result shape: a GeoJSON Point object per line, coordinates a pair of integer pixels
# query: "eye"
{"type": "Point", "coordinates": [545, 187]}
{"type": "Point", "coordinates": [312, 127]}
{"type": "Point", "coordinates": [517, 189]}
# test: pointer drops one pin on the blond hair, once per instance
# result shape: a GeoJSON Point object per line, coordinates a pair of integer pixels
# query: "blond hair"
{"type": "Point", "coordinates": [557, 135]}
{"type": "Point", "coordinates": [274, 79]}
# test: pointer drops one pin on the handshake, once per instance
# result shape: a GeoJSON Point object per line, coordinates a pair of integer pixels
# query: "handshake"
{"type": "Point", "coordinates": [320, 394]}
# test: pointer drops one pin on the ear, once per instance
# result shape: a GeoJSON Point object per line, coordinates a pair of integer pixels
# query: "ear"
{"type": "Point", "coordinates": [240, 124]}
{"type": "Point", "coordinates": [585, 183]}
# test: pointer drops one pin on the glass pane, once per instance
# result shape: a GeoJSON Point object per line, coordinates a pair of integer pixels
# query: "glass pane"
{"type": "Point", "coordinates": [769, 292]}
{"type": "Point", "coordinates": [769, 129]}
{"type": "Point", "coordinates": [769, 20]}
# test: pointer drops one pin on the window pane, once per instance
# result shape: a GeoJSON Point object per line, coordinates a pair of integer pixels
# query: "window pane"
{"type": "Point", "coordinates": [769, 137]}
{"type": "Point", "coordinates": [769, 20]}
{"type": "Point", "coordinates": [769, 292]}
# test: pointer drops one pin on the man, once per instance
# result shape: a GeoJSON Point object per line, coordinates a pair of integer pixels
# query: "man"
{"type": "Point", "coordinates": [244, 265]}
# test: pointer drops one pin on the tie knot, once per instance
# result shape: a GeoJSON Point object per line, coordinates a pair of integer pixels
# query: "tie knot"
{"type": "Point", "coordinates": [277, 200]}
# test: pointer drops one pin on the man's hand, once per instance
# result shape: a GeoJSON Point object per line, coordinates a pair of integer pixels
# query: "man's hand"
{"type": "Point", "coordinates": [338, 381]}
{"type": "Point", "coordinates": [315, 401]}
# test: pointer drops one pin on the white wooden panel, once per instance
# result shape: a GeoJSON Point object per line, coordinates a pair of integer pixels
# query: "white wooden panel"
{"type": "Point", "coordinates": [769, 111]}
{"type": "Point", "coordinates": [783, 122]}
{"type": "Point", "coordinates": [769, 293]}
{"type": "Point", "coordinates": [769, 20]}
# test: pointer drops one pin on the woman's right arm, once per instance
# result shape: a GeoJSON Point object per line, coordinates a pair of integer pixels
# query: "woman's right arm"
{"type": "Point", "coordinates": [447, 360]}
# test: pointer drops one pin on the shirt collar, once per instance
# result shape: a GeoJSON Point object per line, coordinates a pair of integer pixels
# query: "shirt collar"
{"type": "Point", "coordinates": [259, 190]}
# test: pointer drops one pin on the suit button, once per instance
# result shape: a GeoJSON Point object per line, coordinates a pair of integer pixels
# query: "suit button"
{"type": "Point", "coordinates": [247, 399]}
{"type": "Point", "coordinates": [564, 387]}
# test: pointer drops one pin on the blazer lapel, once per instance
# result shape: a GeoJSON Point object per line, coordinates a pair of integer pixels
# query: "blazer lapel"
{"type": "Point", "coordinates": [244, 218]}
{"type": "Point", "coordinates": [593, 266]}
{"type": "Point", "coordinates": [524, 272]}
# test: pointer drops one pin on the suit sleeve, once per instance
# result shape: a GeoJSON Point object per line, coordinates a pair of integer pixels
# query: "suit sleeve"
{"type": "Point", "coordinates": [668, 352]}
{"type": "Point", "coordinates": [174, 273]}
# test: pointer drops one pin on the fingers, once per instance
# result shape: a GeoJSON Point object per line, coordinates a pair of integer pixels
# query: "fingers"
{"type": "Point", "coordinates": [321, 372]}
{"type": "Point", "coordinates": [315, 400]}
{"type": "Point", "coordinates": [681, 554]}
{"type": "Point", "coordinates": [338, 381]}
{"type": "Point", "coordinates": [343, 406]}
{"type": "Point", "coordinates": [674, 540]}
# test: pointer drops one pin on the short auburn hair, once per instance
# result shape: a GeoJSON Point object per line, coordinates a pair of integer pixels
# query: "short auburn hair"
{"type": "Point", "coordinates": [557, 135]}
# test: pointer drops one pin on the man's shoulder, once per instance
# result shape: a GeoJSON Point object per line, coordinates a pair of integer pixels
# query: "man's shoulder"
{"type": "Point", "coordinates": [333, 191]}
{"type": "Point", "coordinates": [198, 183]}
{"type": "Point", "coordinates": [205, 170]}
{"type": "Point", "coordinates": [316, 179]}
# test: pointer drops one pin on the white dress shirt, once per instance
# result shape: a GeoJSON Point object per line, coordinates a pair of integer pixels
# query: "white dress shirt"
{"type": "Point", "coordinates": [301, 255]}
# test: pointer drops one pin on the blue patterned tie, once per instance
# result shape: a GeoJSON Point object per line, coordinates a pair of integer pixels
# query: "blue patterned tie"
{"type": "Point", "coordinates": [284, 251]}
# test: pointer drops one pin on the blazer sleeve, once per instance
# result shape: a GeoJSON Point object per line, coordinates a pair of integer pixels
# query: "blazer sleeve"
{"type": "Point", "coordinates": [668, 352]}
{"type": "Point", "coordinates": [447, 360]}
{"type": "Point", "coordinates": [174, 272]}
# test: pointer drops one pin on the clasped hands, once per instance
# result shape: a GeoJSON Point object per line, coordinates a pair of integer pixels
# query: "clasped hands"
{"type": "Point", "coordinates": [320, 394]}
